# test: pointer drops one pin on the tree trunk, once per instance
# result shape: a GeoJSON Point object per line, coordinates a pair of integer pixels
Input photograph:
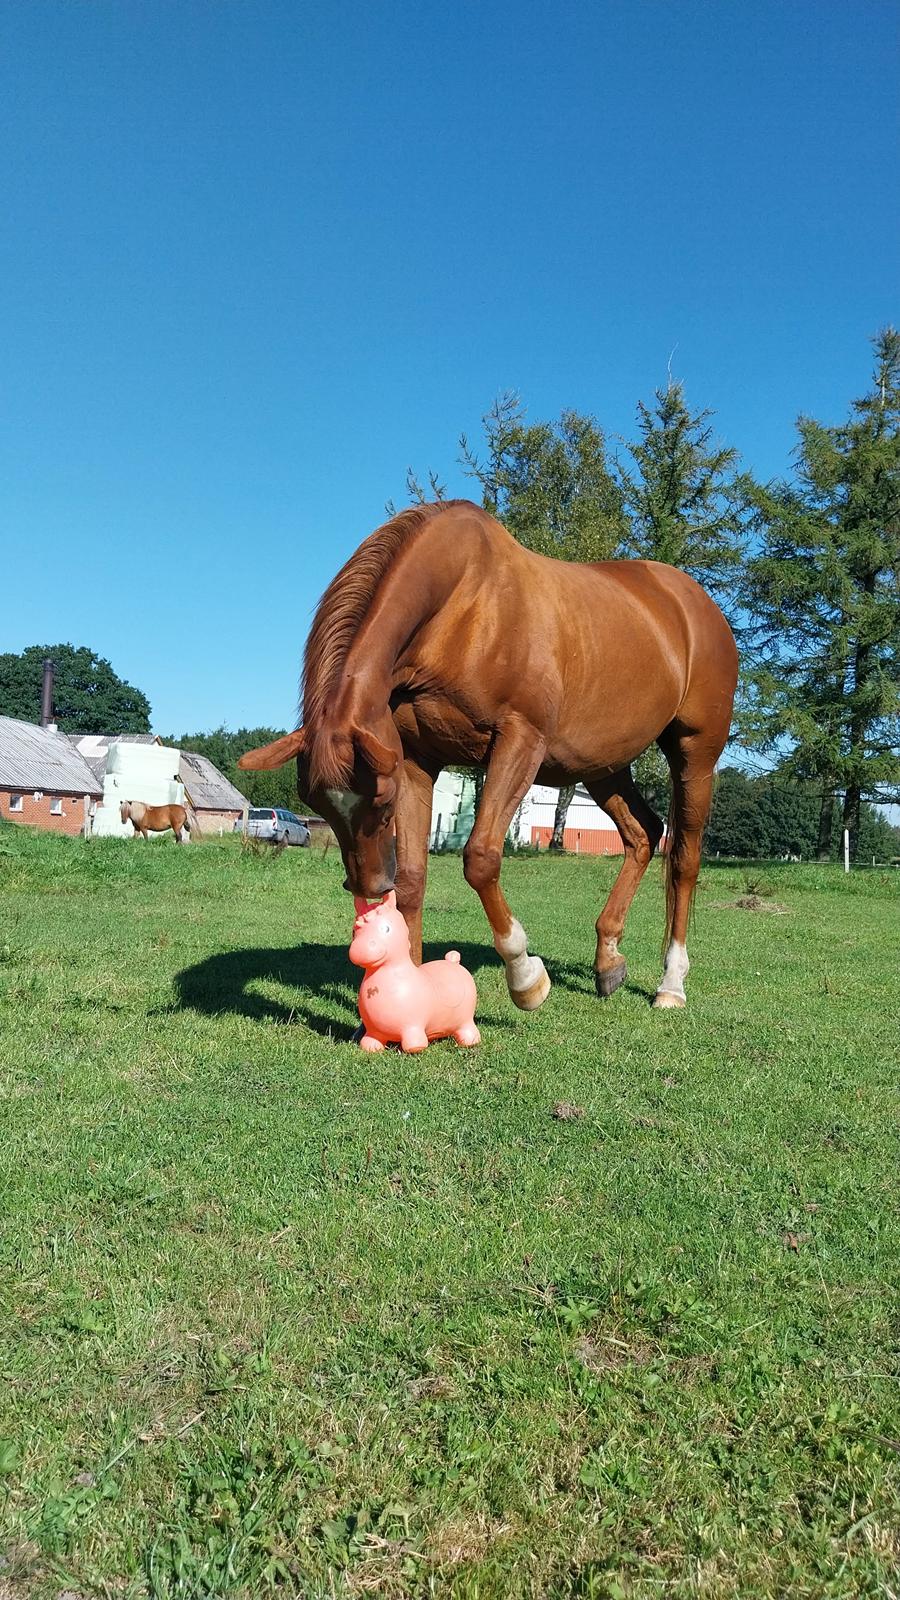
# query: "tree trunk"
{"type": "Point", "coordinates": [826, 818]}
{"type": "Point", "coordinates": [852, 800]}
{"type": "Point", "coordinates": [863, 663]}
{"type": "Point", "coordinates": [566, 797]}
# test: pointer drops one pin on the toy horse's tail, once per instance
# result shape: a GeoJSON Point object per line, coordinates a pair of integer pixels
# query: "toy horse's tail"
{"type": "Point", "coordinates": [454, 956]}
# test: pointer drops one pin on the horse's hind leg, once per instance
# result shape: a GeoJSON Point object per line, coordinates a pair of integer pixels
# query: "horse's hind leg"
{"type": "Point", "coordinates": [515, 758]}
{"type": "Point", "coordinates": [641, 831]}
{"type": "Point", "coordinates": [692, 758]}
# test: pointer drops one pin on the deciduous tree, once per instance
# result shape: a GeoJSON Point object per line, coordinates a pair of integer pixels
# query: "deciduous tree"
{"type": "Point", "coordinates": [88, 696]}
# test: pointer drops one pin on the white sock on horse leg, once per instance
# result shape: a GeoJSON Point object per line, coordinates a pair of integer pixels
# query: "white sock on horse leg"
{"type": "Point", "coordinates": [675, 971]}
{"type": "Point", "coordinates": [522, 970]}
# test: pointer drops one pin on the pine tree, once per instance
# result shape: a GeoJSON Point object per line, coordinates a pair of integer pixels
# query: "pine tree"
{"type": "Point", "coordinates": [682, 495]}
{"type": "Point", "coordinates": [824, 589]}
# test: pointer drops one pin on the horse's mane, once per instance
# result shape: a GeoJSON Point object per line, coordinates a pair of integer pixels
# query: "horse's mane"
{"type": "Point", "coordinates": [346, 601]}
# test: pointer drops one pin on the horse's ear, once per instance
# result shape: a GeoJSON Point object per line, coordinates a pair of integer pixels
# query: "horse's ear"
{"type": "Point", "coordinates": [273, 755]}
{"type": "Point", "coordinates": [375, 754]}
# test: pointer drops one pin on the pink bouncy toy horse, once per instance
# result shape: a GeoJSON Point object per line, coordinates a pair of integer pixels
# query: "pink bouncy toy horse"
{"type": "Point", "coordinates": [399, 1002]}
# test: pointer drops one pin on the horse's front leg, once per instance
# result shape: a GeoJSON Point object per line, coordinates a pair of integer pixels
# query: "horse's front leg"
{"type": "Point", "coordinates": [413, 827]}
{"type": "Point", "coordinates": [516, 755]}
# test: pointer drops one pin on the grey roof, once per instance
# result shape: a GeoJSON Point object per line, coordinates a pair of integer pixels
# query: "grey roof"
{"type": "Point", "coordinates": [35, 758]}
{"type": "Point", "coordinates": [206, 787]}
{"type": "Point", "coordinates": [106, 739]}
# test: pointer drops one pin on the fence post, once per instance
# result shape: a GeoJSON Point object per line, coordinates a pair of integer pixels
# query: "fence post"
{"type": "Point", "coordinates": [846, 849]}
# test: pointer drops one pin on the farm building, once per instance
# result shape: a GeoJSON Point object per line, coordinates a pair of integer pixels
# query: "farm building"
{"type": "Point", "coordinates": [589, 831]}
{"type": "Point", "coordinates": [128, 770]}
{"type": "Point", "coordinates": [218, 804]}
{"type": "Point", "coordinates": [44, 781]}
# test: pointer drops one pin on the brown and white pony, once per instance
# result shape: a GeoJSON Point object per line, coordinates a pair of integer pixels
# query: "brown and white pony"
{"type": "Point", "coordinates": [443, 640]}
{"type": "Point", "coordinates": [155, 819]}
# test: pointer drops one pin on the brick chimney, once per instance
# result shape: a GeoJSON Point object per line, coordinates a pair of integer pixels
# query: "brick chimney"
{"type": "Point", "coordinates": [47, 697]}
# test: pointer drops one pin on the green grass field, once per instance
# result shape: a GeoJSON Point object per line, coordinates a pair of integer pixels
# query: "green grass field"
{"type": "Point", "coordinates": [277, 1315]}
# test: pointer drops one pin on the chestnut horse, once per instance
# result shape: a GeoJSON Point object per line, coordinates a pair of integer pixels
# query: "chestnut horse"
{"type": "Point", "coordinates": [154, 819]}
{"type": "Point", "coordinates": [443, 640]}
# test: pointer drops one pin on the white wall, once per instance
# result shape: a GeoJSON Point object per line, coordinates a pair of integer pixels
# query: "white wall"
{"type": "Point", "coordinates": [147, 772]}
{"type": "Point", "coordinates": [538, 810]}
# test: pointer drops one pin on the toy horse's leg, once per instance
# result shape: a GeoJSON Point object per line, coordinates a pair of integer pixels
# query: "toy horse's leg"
{"type": "Point", "coordinates": [516, 755]}
{"type": "Point", "coordinates": [413, 826]}
{"type": "Point", "coordinates": [641, 831]}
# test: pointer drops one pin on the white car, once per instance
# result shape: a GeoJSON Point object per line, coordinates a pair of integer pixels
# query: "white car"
{"type": "Point", "coordinates": [277, 825]}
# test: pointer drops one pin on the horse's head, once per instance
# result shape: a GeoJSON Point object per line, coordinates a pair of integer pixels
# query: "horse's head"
{"type": "Point", "coordinates": [351, 779]}
{"type": "Point", "coordinates": [125, 810]}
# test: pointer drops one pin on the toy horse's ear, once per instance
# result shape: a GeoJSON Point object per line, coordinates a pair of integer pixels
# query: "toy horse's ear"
{"type": "Point", "coordinates": [273, 755]}
{"type": "Point", "coordinates": [390, 900]}
{"type": "Point", "coordinates": [375, 754]}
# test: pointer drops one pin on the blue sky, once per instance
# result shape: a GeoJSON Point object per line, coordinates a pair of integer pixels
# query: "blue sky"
{"type": "Point", "coordinates": [259, 258]}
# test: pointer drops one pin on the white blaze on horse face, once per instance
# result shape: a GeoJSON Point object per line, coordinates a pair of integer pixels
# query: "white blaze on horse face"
{"type": "Point", "coordinates": [345, 803]}
{"type": "Point", "coordinates": [675, 972]}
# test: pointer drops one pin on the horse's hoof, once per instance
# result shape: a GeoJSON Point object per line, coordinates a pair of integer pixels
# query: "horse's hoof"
{"type": "Point", "coordinates": [609, 979]}
{"type": "Point", "coordinates": [665, 1000]}
{"type": "Point", "coordinates": [529, 999]}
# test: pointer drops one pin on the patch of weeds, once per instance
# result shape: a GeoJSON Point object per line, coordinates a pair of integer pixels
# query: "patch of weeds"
{"type": "Point", "coordinates": [348, 1537]}
{"type": "Point", "coordinates": [67, 1509]}
{"type": "Point", "coordinates": [237, 1511]}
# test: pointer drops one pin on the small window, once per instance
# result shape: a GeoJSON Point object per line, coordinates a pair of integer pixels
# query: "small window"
{"type": "Point", "coordinates": [55, 806]}
{"type": "Point", "coordinates": [15, 802]}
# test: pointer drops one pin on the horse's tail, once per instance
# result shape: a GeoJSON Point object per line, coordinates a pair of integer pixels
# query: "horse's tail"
{"type": "Point", "coordinates": [190, 820]}
{"type": "Point", "coordinates": [669, 871]}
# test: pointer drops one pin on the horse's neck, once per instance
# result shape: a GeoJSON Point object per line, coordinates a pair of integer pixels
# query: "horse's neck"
{"type": "Point", "coordinates": [413, 592]}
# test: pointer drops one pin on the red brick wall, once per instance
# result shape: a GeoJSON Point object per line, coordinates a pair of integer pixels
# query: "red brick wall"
{"type": "Point", "coordinates": [587, 841]}
{"type": "Point", "coordinates": [584, 841]}
{"type": "Point", "coordinates": [37, 812]}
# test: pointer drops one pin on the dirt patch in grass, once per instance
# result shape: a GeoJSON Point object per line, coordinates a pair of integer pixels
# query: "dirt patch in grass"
{"type": "Point", "coordinates": [465, 1540]}
{"type": "Point", "coordinates": [750, 902]}
{"type": "Point", "coordinates": [608, 1354]}
{"type": "Point", "coordinates": [434, 1387]}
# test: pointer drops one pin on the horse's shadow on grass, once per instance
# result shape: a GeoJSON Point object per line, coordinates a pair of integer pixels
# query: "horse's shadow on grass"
{"type": "Point", "coordinates": [318, 972]}
{"type": "Point", "coordinates": [322, 973]}
{"type": "Point", "coordinates": [580, 980]}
